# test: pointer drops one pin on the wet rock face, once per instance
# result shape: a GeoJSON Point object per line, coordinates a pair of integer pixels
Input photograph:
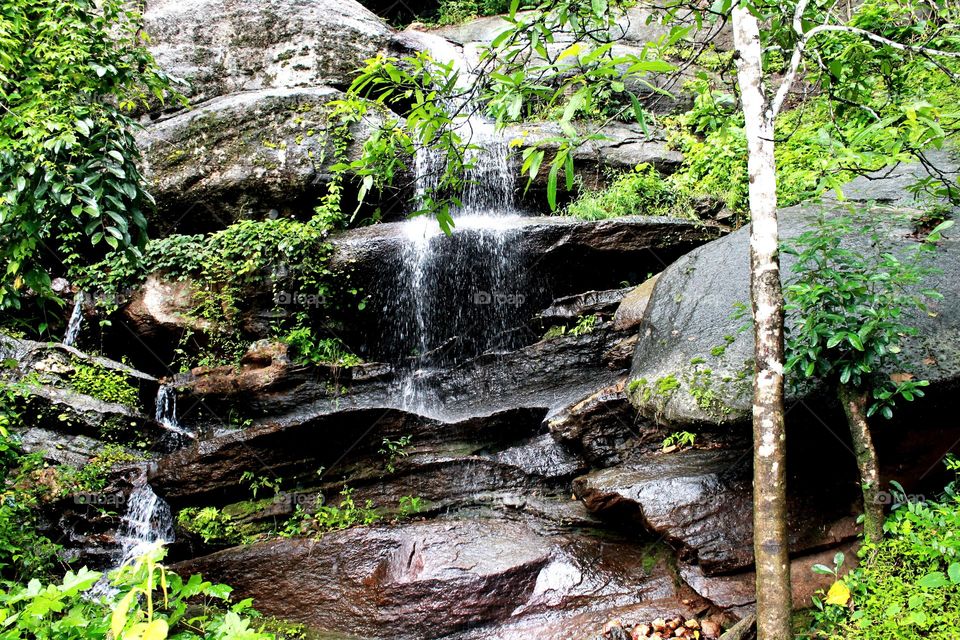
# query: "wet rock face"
{"type": "Point", "coordinates": [213, 468]}
{"type": "Point", "coordinates": [694, 310]}
{"type": "Point", "coordinates": [561, 256]}
{"type": "Point", "coordinates": [702, 501]}
{"type": "Point", "coordinates": [736, 593]}
{"type": "Point", "coordinates": [457, 574]}
{"type": "Point", "coordinates": [68, 425]}
{"type": "Point", "coordinates": [598, 426]}
{"type": "Point", "coordinates": [226, 46]}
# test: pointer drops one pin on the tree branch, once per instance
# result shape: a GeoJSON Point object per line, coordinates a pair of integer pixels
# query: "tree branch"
{"type": "Point", "coordinates": [799, 49]}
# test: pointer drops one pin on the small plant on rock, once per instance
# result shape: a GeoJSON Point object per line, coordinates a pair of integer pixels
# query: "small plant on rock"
{"type": "Point", "coordinates": [393, 450]}
{"type": "Point", "coordinates": [410, 506]}
{"type": "Point", "coordinates": [211, 524]}
{"type": "Point", "coordinates": [678, 440]}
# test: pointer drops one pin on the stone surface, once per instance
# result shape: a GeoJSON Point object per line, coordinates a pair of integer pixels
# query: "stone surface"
{"type": "Point", "coordinates": [159, 309]}
{"type": "Point", "coordinates": [244, 154]}
{"type": "Point", "coordinates": [582, 304]}
{"type": "Point", "coordinates": [221, 47]}
{"type": "Point", "coordinates": [692, 312]}
{"type": "Point", "coordinates": [562, 255]}
{"type": "Point", "coordinates": [598, 426]}
{"type": "Point", "coordinates": [735, 593]}
{"type": "Point", "coordinates": [53, 406]}
{"type": "Point", "coordinates": [702, 500]}
{"type": "Point", "coordinates": [630, 311]}
{"type": "Point", "coordinates": [496, 579]}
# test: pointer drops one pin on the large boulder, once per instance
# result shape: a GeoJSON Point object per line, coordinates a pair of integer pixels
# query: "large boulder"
{"type": "Point", "coordinates": [433, 579]}
{"type": "Point", "coordinates": [701, 501]}
{"type": "Point", "coordinates": [693, 362]}
{"type": "Point", "coordinates": [255, 153]}
{"type": "Point", "coordinates": [219, 47]}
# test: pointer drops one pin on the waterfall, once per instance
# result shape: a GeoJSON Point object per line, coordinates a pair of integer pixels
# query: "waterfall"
{"type": "Point", "coordinates": [76, 319]}
{"type": "Point", "coordinates": [165, 410]}
{"type": "Point", "coordinates": [459, 296]}
{"type": "Point", "coordinates": [147, 522]}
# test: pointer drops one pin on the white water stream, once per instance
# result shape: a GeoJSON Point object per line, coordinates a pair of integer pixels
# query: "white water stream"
{"type": "Point", "coordinates": [458, 294]}
{"type": "Point", "coordinates": [75, 322]}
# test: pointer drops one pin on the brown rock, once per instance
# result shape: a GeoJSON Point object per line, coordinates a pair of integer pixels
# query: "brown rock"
{"type": "Point", "coordinates": [711, 630]}
{"type": "Point", "coordinates": [161, 308]}
{"type": "Point", "coordinates": [597, 425]}
{"type": "Point", "coordinates": [697, 500]}
{"type": "Point", "coordinates": [735, 593]}
{"type": "Point", "coordinates": [630, 312]}
{"type": "Point", "coordinates": [484, 579]}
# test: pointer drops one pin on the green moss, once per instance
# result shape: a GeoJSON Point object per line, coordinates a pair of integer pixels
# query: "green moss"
{"type": "Point", "coordinates": [104, 384]}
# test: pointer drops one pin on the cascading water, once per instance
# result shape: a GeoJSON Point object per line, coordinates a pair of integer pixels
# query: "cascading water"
{"type": "Point", "coordinates": [76, 320]}
{"type": "Point", "coordinates": [147, 523]}
{"type": "Point", "coordinates": [165, 411]}
{"type": "Point", "coordinates": [458, 296]}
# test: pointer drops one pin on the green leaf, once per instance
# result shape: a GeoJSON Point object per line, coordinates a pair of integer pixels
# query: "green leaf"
{"type": "Point", "coordinates": [933, 580]}
{"type": "Point", "coordinates": [552, 184]}
{"type": "Point", "coordinates": [954, 572]}
{"type": "Point", "coordinates": [599, 7]}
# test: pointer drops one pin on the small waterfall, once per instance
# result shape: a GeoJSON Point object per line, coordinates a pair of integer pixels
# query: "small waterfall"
{"type": "Point", "coordinates": [76, 320]}
{"type": "Point", "coordinates": [147, 522]}
{"type": "Point", "coordinates": [165, 410]}
{"type": "Point", "coordinates": [457, 297]}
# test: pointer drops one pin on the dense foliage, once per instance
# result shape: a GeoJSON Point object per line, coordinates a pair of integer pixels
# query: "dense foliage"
{"type": "Point", "coordinates": [851, 301]}
{"type": "Point", "coordinates": [148, 602]}
{"type": "Point", "coordinates": [871, 106]}
{"type": "Point", "coordinates": [908, 585]}
{"type": "Point", "coordinates": [70, 75]}
{"type": "Point", "coordinates": [642, 191]}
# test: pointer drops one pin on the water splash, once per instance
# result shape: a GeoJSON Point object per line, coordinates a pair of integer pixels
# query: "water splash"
{"type": "Point", "coordinates": [147, 523]}
{"type": "Point", "coordinates": [75, 322]}
{"type": "Point", "coordinates": [165, 411]}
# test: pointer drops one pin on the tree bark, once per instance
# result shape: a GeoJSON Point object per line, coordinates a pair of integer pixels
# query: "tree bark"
{"type": "Point", "coordinates": [774, 596]}
{"type": "Point", "coordinates": [854, 403]}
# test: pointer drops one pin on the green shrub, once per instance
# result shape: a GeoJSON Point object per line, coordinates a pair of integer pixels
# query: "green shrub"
{"type": "Point", "coordinates": [329, 518]}
{"type": "Point", "coordinates": [307, 348]}
{"type": "Point", "coordinates": [211, 524]}
{"type": "Point", "coordinates": [640, 192]}
{"type": "Point", "coordinates": [104, 384]}
{"type": "Point", "coordinates": [458, 11]}
{"type": "Point", "coordinates": [71, 74]}
{"type": "Point", "coordinates": [908, 586]}
{"type": "Point", "coordinates": [150, 602]}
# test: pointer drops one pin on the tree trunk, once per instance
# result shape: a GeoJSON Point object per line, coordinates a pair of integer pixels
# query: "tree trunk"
{"type": "Point", "coordinates": [774, 597]}
{"type": "Point", "coordinates": [854, 403]}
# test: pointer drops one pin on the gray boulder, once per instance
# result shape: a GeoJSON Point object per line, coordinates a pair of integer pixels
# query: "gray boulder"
{"type": "Point", "coordinates": [244, 154]}
{"type": "Point", "coordinates": [700, 501]}
{"type": "Point", "coordinates": [220, 47]}
{"type": "Point", "coordinates": [693, 362]}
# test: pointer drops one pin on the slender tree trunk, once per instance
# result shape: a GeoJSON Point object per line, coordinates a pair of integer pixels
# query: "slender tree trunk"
{"type": "Point", "coordinates": [774, 597]}
{"type": "Point", "coordinates": [854, 403]}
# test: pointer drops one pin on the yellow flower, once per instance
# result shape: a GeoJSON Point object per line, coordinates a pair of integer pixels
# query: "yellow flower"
{"type": "Point", "coordinates": [838, 594]}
